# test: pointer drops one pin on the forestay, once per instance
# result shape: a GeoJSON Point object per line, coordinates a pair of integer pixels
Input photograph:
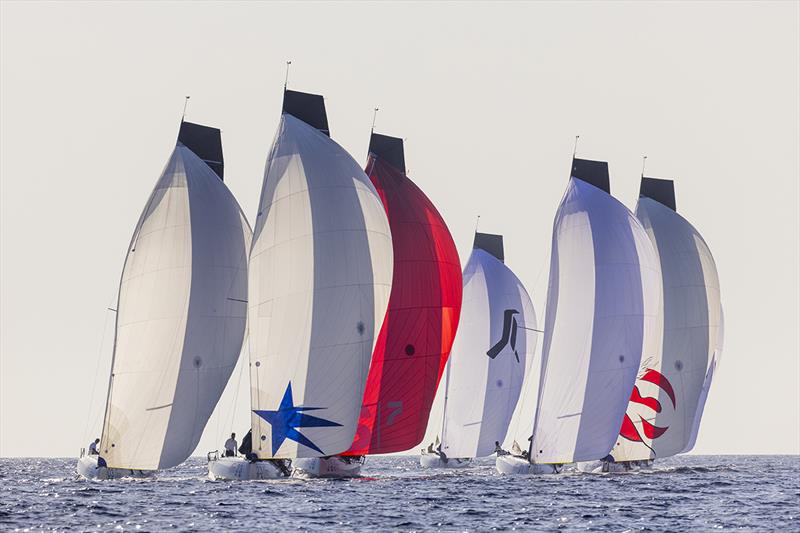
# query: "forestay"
{"type": "Point", "coordinates": [602, 304]}
{"type": "Point", "coordinates": [320, 277]}
{"type": "Point", "coordinates": [491, 355]}
{"type": "Point", "coordinates": [181, 310]}
{"type": "Point", "coordinates": [665, 399]}
{"type": "Point", "coordinates": [424, 307]}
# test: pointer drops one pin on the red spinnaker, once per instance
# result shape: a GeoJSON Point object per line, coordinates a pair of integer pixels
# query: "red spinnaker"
{"type": "Point", "coordinates": [421, 320]}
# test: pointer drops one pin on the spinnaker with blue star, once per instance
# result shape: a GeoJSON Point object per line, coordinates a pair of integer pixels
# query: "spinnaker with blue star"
{"type": "Point", "coordinates": [320, 276]}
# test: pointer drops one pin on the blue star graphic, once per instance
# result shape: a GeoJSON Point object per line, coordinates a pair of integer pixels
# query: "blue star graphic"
{"type": "Point", "coordinates": [288, 418]}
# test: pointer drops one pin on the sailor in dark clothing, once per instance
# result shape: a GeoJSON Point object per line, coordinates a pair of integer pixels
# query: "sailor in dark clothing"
{"type": "Point", "coordinates": [499, 449]}
{"type": "Point", "coordinates": [247, 444]}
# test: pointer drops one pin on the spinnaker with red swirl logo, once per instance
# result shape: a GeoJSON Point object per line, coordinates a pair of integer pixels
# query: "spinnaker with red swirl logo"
{"type": "Point", "coordinates": [666, 404]}
{"type": "Point", "coordinates": [424, 308]}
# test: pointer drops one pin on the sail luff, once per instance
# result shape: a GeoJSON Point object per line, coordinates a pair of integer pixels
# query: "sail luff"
{"type": "Point", "coordinates": [713, 368]}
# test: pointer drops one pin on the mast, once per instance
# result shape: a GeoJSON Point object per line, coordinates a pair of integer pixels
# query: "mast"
{"type": "Point", "coordinates": [446, 394]}
{"type": "Point", "coordinates": [113, 353]}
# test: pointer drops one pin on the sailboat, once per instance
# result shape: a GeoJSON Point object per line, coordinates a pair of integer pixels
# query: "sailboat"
{"type": "Point", "coordinates": [602, 304]}
{"type": "Point", "coordinates": [180, 316]}
{"type": "Point", "coordinates": [492, 353]}
{"type": "Point", "coordinates": [320, 276]}
{"type": "Point", "coordinates": [668, 396]}
{"type": "Point", "coordinates": [417, 334]}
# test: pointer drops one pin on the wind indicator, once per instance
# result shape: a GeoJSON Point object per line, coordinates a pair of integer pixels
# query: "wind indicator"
{"type": "Point", "coordinates": [185, 105]}
{"type": "Point", "coordinates": [575, 148]}
{"type": "Point", "coordinates": [644, 160]}
{"type": "Point", "coordinates": [286, 79]}
{"type": "Point", "coordinates": [374, 116]}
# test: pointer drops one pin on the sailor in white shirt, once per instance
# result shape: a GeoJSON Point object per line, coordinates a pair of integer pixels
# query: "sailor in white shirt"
{"type": "Point", "coordinates": [230, 446]}
{"type": "Point", "coordinates": [93, 447]}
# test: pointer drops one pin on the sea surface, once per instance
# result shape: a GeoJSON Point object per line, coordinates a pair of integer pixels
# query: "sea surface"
{"type": "Point", "coordinates": [698, 493]}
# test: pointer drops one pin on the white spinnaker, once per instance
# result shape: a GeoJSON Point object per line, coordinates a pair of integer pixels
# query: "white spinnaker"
{"type": "Point", "coordinates": [320, 278]}
{"type": "Point", "coordinates": [690, 324]}
{"type": "Point", "coordinates": [602, 302]}
{"type": "Point", "coordinates": [713, 368]}
{"type": "Point", "coordinates": [483, 392]}
{"type": "Point", "coordinates": [180, 317]}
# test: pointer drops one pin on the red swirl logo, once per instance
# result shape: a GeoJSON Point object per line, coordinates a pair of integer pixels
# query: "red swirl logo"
{"type": "Point", "coordinates": [650, 431]}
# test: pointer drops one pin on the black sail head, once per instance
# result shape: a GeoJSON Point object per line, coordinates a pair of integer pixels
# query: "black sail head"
{"type": "Point", "coordinates": [389, 149]}
{"type": "Point", "coordinates": [205, 142]}
{"type": "Point", "coordinates": [490, 243]}
{"type": "Point", "coordinates": [660, 190]}
{"type": "Point", "coordinates": [592, 172]}
{"type": "Point", "coordinates": [310, 108]}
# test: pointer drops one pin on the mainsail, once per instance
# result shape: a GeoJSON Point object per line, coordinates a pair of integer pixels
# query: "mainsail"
{"type": "Point", "coordinates": [602, 302]}
{"type": "Point", "coordinates": [424, 307]}
{"type": "Point", "coordinates": [320, 278]}
{"type": "Point", "coordinates": [491, 355]}
{"type": "Point", "coordinates": [181, 311]}
{"type": "Point", "coordinates": [670, 387]}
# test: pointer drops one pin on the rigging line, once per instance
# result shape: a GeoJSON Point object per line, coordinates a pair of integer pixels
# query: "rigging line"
{"type": "Point", "coordinates": [96, 371]}
{"type": "Point", "coordinates": [185, 105]}
{"type": "Point", "coordinates": [286, 80]}
{"type": "Point", "coordinates": [531, 329]}
{"type": "Point", "coordinates": [239, 385]}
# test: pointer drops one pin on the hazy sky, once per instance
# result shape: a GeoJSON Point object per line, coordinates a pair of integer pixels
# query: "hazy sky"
{"type": "Point", "coordinates": [489, 99]}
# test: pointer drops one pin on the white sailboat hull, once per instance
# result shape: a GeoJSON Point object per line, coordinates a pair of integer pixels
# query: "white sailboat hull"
{"type": "Point", "coordinates": [431, 460]}
{"type": "Point", "coordinates": [334, 466]}
{"type": "Point", "coordinates": [240, 469]}
{"type": "Point", "coordinates": [514, 465]}
{"type": "Point", "coordinates": [607, 467]}
{"type": "Point", "coordinates": [87, 468]}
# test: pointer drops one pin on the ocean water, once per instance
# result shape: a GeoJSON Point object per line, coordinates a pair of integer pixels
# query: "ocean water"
{"type": "Point", "coordinates": [699, 493]}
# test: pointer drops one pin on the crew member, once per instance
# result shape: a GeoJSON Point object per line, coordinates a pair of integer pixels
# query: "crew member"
{"type": "Point", "coordinates": [230, 446]}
